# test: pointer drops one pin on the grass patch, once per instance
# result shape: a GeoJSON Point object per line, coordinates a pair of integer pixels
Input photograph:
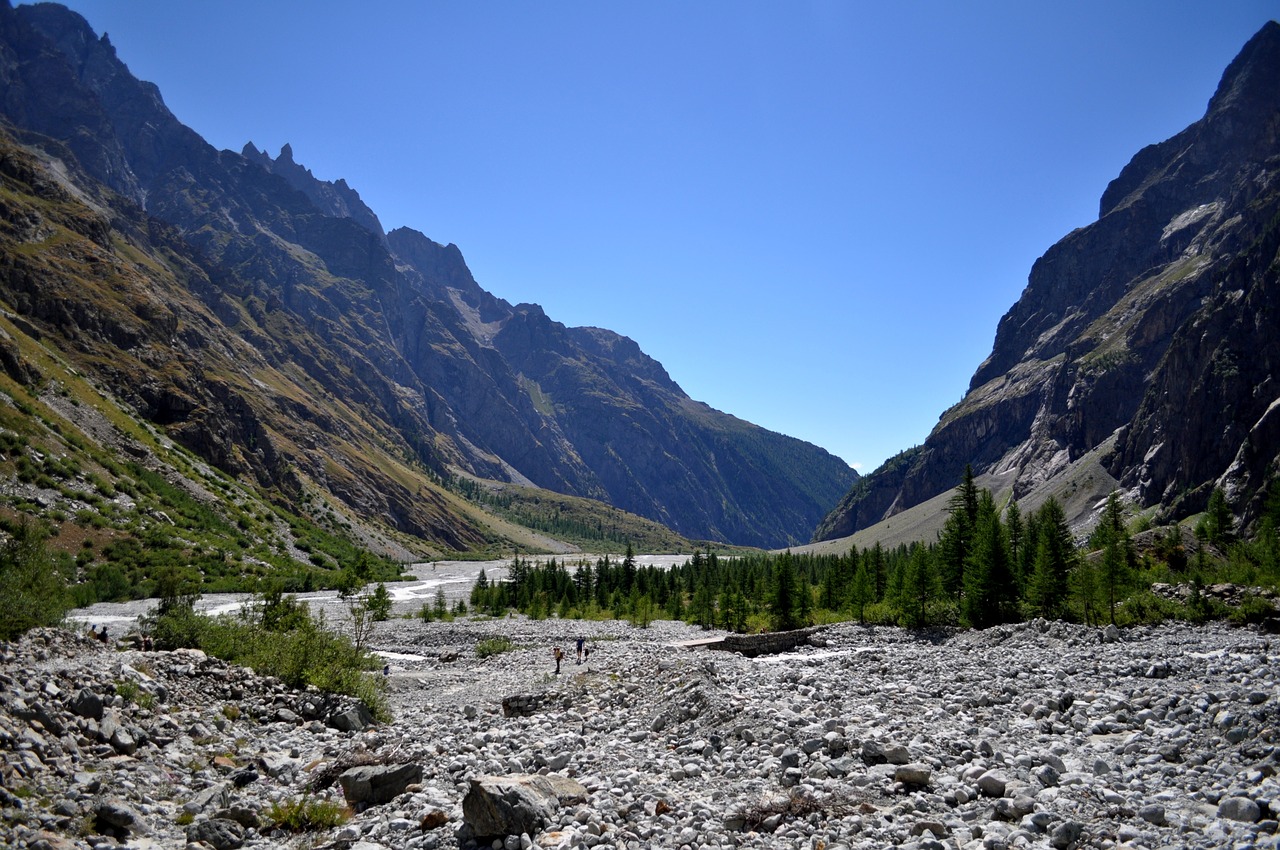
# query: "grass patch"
{"type": "Point", "coordinates": [306, 814]}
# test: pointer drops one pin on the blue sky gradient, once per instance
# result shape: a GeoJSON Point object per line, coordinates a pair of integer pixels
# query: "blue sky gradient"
{"type": "Point", "coordinates": [812, 213]}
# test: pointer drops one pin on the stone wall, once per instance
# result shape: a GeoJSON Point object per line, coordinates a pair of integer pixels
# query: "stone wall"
{"type": "Point", "coordinates": [526, 705]}
{"type": "Point", "coordinates": [769, 643]}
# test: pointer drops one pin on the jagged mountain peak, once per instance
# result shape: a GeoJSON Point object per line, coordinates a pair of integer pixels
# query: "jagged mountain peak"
{"type": "Point", "coordinates": [1253, 77]}
{"type": "Point", "coordinates": [334, 198]}
{"type": "Point", "coordinates": [1238, 128]}
{"type": "Point", "coordinates": [1140, 355]}
{"type": "Point", "coordinates": [374, 365]}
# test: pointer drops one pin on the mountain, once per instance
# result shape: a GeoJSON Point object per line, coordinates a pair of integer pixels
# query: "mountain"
{"type": "Point", "coordinates": [1143, 353]}
{"type": "Point", "coordinates": [262, 319]}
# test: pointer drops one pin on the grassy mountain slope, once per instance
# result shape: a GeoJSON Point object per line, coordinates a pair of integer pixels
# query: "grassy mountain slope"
{"type": "Point", "coordinates": [112, 375]}
{"type": "Point", "coordinates": [306, 342]}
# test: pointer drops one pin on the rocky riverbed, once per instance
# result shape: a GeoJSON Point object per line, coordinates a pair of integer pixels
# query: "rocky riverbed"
{"type": "Point", "coordinates": [1040, 735]}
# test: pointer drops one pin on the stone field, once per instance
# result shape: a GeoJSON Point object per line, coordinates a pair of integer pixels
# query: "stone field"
{"type": "Point", "coordinates": [1042, 735]}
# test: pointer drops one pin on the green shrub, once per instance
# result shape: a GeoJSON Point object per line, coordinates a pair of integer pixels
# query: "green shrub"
{"type": "Point", "coordinates": [494, 646]}
{"type": "Point", "coordinates": [306, 815]}
{"type": "Point", "coordinates": [133, 694]}
{"type": "Point", "coordinates": [127, 690]}
{"type": "Point", "coordinates": [1146, 608]}
{"type": "Point", "coordinates": [1252, 611]}
{"type": "Point", "coordinates": [33, 584]}
{"type": "Point", "coordinates": [306, 654]}
{"type": "Point", "coordinates": [379, 603]}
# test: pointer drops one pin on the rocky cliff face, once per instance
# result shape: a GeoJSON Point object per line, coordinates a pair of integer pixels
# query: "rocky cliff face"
{"type": "Point", "coordinates": [1146, 340]}
{"type": "Point", "coordinates": [290, 339]}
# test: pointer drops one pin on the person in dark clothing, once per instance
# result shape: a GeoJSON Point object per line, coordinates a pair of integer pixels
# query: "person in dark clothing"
{"type": "Point", "coordinates": [581, 641]}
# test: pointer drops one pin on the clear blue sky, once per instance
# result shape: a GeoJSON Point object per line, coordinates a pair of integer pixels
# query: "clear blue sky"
{"type": "Point", "coordinates": [812, 213]}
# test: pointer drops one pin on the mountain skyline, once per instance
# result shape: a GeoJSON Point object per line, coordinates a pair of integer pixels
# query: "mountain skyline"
{"type": "Point", "coordinates": [736, 192]}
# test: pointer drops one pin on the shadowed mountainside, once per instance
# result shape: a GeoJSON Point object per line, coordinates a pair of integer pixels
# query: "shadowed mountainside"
{"type": "Point", "coordinates": [264, 320]}
{"type": "Point", "coordinates": [1148, 339]}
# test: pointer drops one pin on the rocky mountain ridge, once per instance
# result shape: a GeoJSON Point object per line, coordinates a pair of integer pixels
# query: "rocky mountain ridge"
{"type": "Point", "coordinates": [318, 351]}
{"type": "Point", "coordinates": [1144, 344]}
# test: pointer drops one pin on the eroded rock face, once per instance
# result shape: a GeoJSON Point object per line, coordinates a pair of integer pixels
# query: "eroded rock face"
{"type": "Point", "coordinates": [377, 784]}
{"type": "Point", "coordinates": [1146, 337]}
{"type": "Point", "coordinates": [517, 804]}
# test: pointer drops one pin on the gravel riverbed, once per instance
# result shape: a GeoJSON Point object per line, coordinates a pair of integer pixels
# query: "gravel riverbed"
{"type": "Point", "coordinates": [1043, 735]}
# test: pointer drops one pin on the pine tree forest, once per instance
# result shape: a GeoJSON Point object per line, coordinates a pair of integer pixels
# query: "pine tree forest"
{"type": "Point", "coordinates": [991, 564]}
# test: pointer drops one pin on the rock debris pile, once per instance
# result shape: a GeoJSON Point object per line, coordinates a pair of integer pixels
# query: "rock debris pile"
{"type": "Point", "coordinates": [1043, 735]}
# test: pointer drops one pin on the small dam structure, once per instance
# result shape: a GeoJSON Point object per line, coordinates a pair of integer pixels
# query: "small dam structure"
{"type": "Point", "coordinates": [765, 643]}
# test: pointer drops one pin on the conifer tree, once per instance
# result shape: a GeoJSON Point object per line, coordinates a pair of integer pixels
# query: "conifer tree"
{"type": "Point", "coordinates": [989, 593]}
{"type": "Point", "coordinates": [1054, 557]}
{"type": "Point", "coordinates": [829, 593]}
{"type": "Point", "coordinates": [783, 600]}
{"type": "Point", "coordinates": [1084, 586]}
{"type": "Point", "coordinates": [1216, 524]}
{"type": "Point", "coordinates": [804, 603]}
{"type": "Point", "coordinates": [584, 580]}
{"type": "Point", "coordinates": [694, 573]}
{"type": "Point", "coordinates": [1117, 552]}
{"type": "Point", "coordinates": [628, 568]}
{"type": "Point", "coordinates": [1016, 534]}
{"type": "Point", "coordinates": [379, 603]}
{"type": "Point", "coordinates": [920, 586]}
{"type": "Point", "coordinates": [675, 605]}
{"type": "Point", "coordinates": [604, 582]}
{"type": "Point", "coordinates": [703, 606]}
{"type": "Point", "coordinates": [957, 534]}
{"type": "Point", "coordinates": [862, 592]}
{"type": "Point", "coordinates": [879, 572]}
{"type": "Point", "coordinates": [480, 590]}
{"type": "Point", "coordinates": [1113, 574]}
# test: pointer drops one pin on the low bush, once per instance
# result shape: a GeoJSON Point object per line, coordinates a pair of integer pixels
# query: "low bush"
{"type": "Point", "coordinates": [494, 646]}
{"type": "Point", "coordinates": [306, 814]}
{"type": "Point", "coordinates": [1253, 610]}
{"type": "Point", "coordinates": [133, 694]}
{"type": "Point", "coordinates": [1147, 608]}
{"type": "Point", "coordinates": [305, 653]}
{"type": "Point", "coordinates": [33, 584]}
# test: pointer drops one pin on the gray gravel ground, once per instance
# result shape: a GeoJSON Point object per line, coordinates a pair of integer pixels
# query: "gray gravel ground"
{"type": "Point", "coordinates": [1043, 735]}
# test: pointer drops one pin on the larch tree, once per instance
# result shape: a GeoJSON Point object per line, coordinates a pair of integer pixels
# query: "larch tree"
{"type": "Point", "coordinates": [956, 539]}
{"type": "Point", "coordinates": [1052, 562]}
{"type": "Point", "coordinates": [989, 593]}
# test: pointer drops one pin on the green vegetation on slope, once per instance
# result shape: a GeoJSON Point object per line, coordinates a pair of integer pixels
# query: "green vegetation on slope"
{"type": "Point", "coordinates": [588, 524]}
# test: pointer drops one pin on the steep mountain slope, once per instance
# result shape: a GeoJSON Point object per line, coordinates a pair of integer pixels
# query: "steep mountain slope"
{"type": "Point", "coordinates": [288, 337]}
{"type": "Point", "coordinates": [1149, 337]}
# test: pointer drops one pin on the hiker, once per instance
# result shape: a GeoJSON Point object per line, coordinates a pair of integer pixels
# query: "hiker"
{"type": "Point", "coordinates": [581, 641]}
{"type": "Point", "coordinates": [559, 656]}
{"type": "Point", "coordinates": [586, 654]}
{"type": "Point", "coordinates": [102, 635]}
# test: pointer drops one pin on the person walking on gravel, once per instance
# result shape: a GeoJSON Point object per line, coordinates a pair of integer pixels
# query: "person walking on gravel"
{"type": "Point", "coordinates": [581, 641]}
{"type": "Point", "coordinates": [559, 656]}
